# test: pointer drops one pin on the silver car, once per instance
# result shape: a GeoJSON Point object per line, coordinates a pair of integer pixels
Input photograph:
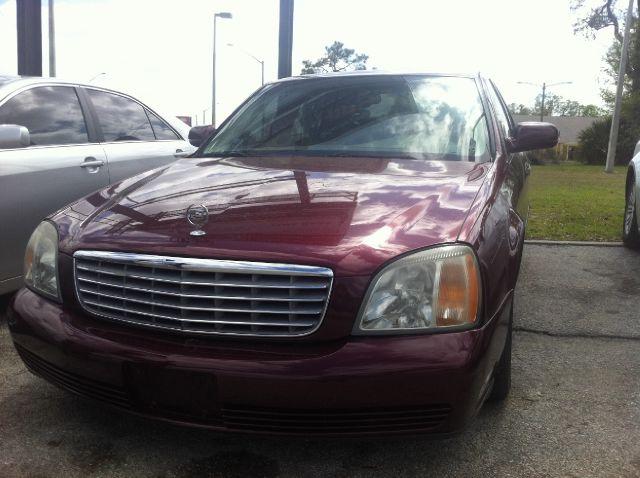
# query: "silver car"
{"type": "Point", "coordinates": [631, 224]}
{"type": "Point", "coordinates": [60, 141]}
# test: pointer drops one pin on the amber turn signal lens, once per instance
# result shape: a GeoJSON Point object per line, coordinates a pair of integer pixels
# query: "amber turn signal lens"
{"type": "Point", "coordinates": [458, 296]}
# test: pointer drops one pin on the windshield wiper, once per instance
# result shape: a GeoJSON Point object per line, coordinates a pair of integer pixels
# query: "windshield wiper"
{"type": "Point", "coordinates": [225, 154]}
{"type": "Point", "coordinates": [369, 155]}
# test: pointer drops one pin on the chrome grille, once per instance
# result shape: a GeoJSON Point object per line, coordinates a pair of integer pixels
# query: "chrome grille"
{"type": "Point", "coordinates": [203, 295]}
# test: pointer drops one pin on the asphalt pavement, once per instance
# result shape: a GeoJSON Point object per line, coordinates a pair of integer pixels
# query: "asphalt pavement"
{"type": "Point", "coordinates": [574, 410]}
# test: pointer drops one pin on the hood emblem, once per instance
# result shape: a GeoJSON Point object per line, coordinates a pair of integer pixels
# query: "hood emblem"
{"type": "Point", "coordinates": [197, 215]}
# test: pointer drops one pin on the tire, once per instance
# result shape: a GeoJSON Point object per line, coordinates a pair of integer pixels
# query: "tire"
{"type": "Point", "coordinates": [502, 372]}
{"type": "Point", "coordinates": [630, 233]}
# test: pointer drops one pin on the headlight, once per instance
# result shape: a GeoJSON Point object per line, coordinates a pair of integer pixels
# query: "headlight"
{"type": "Point", "coordinates": [41, 261]}
{"type": "Point", "coordinates": [437, 288]}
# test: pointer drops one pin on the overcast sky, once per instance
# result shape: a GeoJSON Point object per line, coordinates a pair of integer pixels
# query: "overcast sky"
{"type": "Point", "coordinates": [160, 51]}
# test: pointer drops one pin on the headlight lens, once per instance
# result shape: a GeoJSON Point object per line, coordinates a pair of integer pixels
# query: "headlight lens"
{"type": "Point", "coordinates": [436, 288]}
{"type": "Point", "coordinates": [41, 261]}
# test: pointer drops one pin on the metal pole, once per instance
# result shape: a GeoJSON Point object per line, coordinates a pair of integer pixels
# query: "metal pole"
{"type": "Point", "coordinates": [213, 78]}
{"type": "Point", "coordinates": [52, 41]}
{"type": "Point", "coordinates": [285, 45]}
{"type": "Point", "coordinates": [29, 29]}
{"type": "Point", "coordinates": [615, 119]}
{"type": "Point", "coordinates": [254, 57]}
{"type": "Point", "coordinates": [544, 91]}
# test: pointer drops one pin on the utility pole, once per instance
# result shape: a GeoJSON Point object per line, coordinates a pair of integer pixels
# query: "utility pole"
{"type": "Point", "coordinates": [29, 28]}
{"type": "Point", "coordinates": [52, 41]}
{"type": "Point", "coordinates": [615, 120]}
{"type": "Point", "coordinates": [285, 46]}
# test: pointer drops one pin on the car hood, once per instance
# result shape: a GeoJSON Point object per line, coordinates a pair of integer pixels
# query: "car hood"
{"type": "Point", "coordinates": [350, 214]}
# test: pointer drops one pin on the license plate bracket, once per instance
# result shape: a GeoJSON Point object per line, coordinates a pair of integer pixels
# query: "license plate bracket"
{"type": "Point", "coordinates": [173, 392]}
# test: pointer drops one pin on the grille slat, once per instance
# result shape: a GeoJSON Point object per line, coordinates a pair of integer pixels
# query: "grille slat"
{"type": "Point", "coordinates": [266, 284]}
{"type": "Point", "coordinates": [79, 385]}
{"type": "Point", "coordinates": [298, 298]}
{"type": "Point", "coordinates": [180, 299]}
{"type": "Point", "coordinates": [203, 295]}
{"type": "Point", "coordinates": [335, 421]}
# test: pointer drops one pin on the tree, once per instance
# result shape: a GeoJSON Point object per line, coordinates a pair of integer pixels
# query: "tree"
{"type": "Point", "coordinates": [612, 63]}
{"type": "Point", "coordinates": [552, 104]}
{"type": "Point", "coordinates": [593, 142]}
{"type": "Point", "coordinates": [591, 19]}
{"type": "Point", "coordinates": [603, 14]}
{"type": "Point", "coordinates": [596, 15]}
{"type": "Point", "coordinates": [336, 58]}
{"type": "Point", "coordinates": [593, 111]}
{"type": "Point", "coordinates": [556, 105]}
{"type": "Point", "coordinates": [520, 109]}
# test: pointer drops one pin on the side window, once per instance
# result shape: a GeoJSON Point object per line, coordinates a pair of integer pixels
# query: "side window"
{"type": "Point", "coordinates": [505, 108]}
{"type": "Point", "coordinates": [120, 118]}
{"type": "Point", "coordinates": [479, 145]}
{"type": "Point", "coordinates": [502, 116]}
{"type": "Point", "coordinates": [52, 114]}
{"type": "Point", "coordinates": [160, 128]}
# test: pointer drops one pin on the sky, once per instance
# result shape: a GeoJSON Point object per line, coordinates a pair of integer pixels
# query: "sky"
{"type": "Point", "coordinates": [160, 50]}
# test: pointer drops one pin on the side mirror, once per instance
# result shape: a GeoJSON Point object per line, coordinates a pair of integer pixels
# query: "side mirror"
{"type": "Point", "coordinates": [14, 136]}
{"type": "Point", "coordinates": [533, 135]}
{"type": "Point", "coordinates": [199, 134]}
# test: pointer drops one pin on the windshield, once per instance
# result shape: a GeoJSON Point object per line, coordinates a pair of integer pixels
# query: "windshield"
{"type": "Point", "coordinates": [378, 116]}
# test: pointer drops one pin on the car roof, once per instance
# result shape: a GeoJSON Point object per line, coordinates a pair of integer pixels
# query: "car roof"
{"type": "Point", "coordinates": [13, 83]}
{"type": "Point", "coordinates": [5, 79]}
{"type": "Point", "coordinates": [373, 73]}
{"type": "Point", "coordinates": [9, 84]}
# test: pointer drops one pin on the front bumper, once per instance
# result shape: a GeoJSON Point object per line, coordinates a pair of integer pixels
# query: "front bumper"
{"type": "Point", "coordinates": [358, 386]}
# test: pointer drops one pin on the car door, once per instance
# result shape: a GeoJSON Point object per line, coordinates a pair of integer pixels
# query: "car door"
{"type": "Point", "coordinates": [134, 138]}
{"type": "Point", "coordinates": [62, 164]}
{"type": "Point", "coordinates": [512, 201]}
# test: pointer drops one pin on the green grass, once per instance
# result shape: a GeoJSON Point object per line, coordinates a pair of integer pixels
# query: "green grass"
{"type": "Point", "coordinates": [573, 202]}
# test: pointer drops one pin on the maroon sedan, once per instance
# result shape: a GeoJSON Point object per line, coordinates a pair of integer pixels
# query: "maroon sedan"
{"type": "Point", "coordinates": [338, 258]}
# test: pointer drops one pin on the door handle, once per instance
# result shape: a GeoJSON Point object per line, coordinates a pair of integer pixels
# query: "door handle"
{"type": "Point", "coordinates": [91, 162]}
{"type": "Point", "coordinates": [181, 154]}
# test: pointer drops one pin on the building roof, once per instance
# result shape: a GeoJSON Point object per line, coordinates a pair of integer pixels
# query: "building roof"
{"type": "Point", "coordinates": [569, 126]}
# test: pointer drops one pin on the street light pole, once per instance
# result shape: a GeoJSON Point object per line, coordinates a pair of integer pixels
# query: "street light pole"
{"type": "Point", "coordinates": [213, 76]}
{"type": "Point", "coordinates": [96, 76]}
{"type": "Point", "coordinates": [615, 119]}
{"type": "Point", "coordinates": [52, 41]}
{"type": "Point", "coordinates": [544, 92]}
{"type": "Point", "coordinates": [255, 58]}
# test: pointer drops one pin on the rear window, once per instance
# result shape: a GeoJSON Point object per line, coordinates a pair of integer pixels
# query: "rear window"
{"type": "Point", "coordinates": [120, 118]}
{"type": "Point", "coordinates": [382, 116]}
{"type": "Point", "coordinates": [161, 129]}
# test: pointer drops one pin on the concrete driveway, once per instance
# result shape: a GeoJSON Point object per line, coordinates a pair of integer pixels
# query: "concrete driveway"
{"type": "Point", "coordinates": [573, 411]}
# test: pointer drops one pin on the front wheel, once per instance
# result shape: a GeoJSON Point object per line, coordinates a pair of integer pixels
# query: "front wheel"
{"type": "Point", "coordinates": [630, 233]}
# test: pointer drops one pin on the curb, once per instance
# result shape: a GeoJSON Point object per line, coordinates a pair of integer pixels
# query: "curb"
{"type": "Point", "coordinates": [541, 242]}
